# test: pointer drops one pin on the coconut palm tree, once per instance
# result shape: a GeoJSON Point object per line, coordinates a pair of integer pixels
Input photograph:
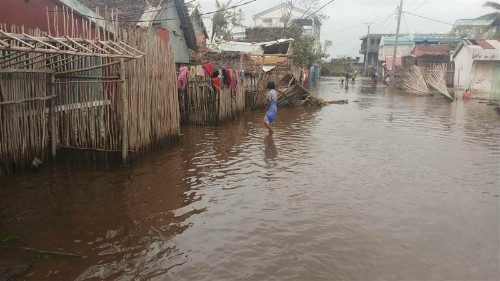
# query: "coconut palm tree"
{"type": "Point", "coordinates": [494, 15]}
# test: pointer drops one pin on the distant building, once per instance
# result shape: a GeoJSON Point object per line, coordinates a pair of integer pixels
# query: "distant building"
{"type": "Point", "coordinates": [477, 67]}
{"type": "Point", "coordinates": [279, 15]}
{"type": "Point", "coordinates": [373, 49]}
{"type": "Point", "coordinates": [407, 43]}
{"type": "Point", "coordinates": [477, 28]}
{"type": "Point", "coordinates": [387, 43]}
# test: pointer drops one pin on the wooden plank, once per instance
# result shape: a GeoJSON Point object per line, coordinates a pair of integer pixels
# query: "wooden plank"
{"type": "Point", "coordinates": [48, 71]}
{"type": "Point", "coordinates": [28, 100]}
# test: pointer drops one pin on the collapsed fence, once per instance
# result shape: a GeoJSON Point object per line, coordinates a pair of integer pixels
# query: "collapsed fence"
{"type": "Point", "coordinates": [87, 94]}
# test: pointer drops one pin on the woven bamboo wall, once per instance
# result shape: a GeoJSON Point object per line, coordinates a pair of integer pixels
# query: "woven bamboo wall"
{"type": "Point", "coordinates": [153, 104]}
{"type": "Point", "coordinates": [23, 125]}
{"type": "Point", "coordinates": [200, 104]}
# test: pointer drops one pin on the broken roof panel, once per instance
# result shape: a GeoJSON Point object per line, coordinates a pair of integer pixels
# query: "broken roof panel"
{"type": "Point", "coordinates": [243, 47]}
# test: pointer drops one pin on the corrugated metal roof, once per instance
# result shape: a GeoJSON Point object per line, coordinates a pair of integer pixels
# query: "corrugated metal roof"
{"type": "Point", "coordinates": [431, 50]}
{"type": "Point", "coordinates": [473, 22]}
{"type": "Point", "coordinates": [391, 40]}
{"type": "Point", "coordinates": [431, 38]}
{"type": "Point", "coordinates": [148, 16]}
{"type": "Point", "coordinates": [245, 47]}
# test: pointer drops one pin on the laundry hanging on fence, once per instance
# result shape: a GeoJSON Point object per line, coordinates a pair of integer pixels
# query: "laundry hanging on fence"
{"type": "Point", "coordinates": [200, 71]}
{"type": "Point", "coordinates": [216, 81]}
{"type": "Point", "coordinates": [209, 70]}
{"type": "Point", "coordinates": [182, 78]}
{"type": "Point", "coordinates": [242, 75]}
{"type": "Point", "coordinates": [227, 76]}
{"type": "Point", "coordinates": [192, 72]}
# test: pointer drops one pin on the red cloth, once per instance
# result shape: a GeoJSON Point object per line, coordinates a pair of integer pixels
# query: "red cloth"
{"type": "Point", "coordinates": [209, 70]}
{"type": "Point", "coordinates": [182, 79]}
{"type": "Point", "coordinates": [216, 83]}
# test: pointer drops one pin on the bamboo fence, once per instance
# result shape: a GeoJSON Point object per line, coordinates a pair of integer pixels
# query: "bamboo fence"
{"type": "Point", "coordinates": [201, 104]}
{"type": "Point", "coordinates": [83, 95]}
{"type": "Point", "coordinates": [153, 105]}
{"type": "Point", "coordinates": [414, 81]}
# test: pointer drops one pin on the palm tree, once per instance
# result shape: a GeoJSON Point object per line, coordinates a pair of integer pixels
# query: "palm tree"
{"type": "Point", "coordinates": [494, 15]}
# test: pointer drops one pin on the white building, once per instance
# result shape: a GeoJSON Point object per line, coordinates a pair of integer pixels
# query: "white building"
{"type": "Point", "coordinates": [386, 47]}
{"type": "Point", "coordinates": [477, 67]}
{"type": "Point", "coordinates": [278, 15]}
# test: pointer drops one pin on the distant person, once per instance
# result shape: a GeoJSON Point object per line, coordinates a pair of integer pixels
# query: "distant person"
{"type": "Point", "coordinates": [342, 81]}
{"type": "Point", "coordinates": [467, 95]}
{"type": "Point", "coordinates": [354, 76]}
{"type": "Point", "coordinates": [271, 106]}
{"type": "Point", "coordinates": [347, 76]}
{"type": "Point", "coordinates": [374, 78]}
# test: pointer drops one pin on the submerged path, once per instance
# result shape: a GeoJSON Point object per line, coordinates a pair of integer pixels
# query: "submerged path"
{"type": "Point", "coordinates": [388, 188]}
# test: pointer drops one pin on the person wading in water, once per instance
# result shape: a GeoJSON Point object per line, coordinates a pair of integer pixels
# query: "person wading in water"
{"type": "Point", "coordinates": [271, 106]}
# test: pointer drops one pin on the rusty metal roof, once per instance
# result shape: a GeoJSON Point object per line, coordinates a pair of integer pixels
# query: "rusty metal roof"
{"type": "Point", "coordinates": [432, 50]}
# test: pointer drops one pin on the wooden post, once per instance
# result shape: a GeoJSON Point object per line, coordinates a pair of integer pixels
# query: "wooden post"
{"type": "Point", "coordinates": [52, 119]}
{"type": "Point", "coordinates": [124, 99]}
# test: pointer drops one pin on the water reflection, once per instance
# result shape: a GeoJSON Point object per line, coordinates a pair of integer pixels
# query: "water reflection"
{"type": "Point", "coordinates": [270, 151]}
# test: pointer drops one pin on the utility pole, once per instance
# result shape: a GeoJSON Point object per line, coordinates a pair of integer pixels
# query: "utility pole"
{"type": "Point", "coordinates": [367, 45]}
{"type": "Point", "coordinates": [400, 11]}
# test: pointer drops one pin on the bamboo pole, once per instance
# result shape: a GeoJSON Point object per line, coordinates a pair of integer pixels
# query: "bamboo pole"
{"type": "Point", "coordinates": [52, 120]}
{"type": "Point", "coordinates": [124, 100]}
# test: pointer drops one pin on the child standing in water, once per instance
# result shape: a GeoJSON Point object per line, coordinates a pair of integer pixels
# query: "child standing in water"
{"type": "Point", "coordinates": [271, 106]}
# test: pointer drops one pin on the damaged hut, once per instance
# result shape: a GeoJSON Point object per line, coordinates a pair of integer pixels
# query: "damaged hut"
{"type": "Point", "coordinates": [267, 61]}
{"type": "Point", "coordinates": [83, 89]}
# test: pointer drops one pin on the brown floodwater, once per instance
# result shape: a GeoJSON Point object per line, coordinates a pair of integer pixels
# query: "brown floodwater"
{"type": "Point", "coordinates": [387, 187]}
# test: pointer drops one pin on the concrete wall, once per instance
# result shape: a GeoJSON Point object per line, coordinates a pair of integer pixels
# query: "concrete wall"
{"type": "Point", "coordinates": [463, 67]}
{"type": "Point", "coordinates": [482, 76]}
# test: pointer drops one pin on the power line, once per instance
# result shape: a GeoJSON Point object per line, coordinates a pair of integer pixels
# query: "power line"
{"type": "Point", "coordinates": [330, 2]}
{"type": "Point", "coordinates": [409, 13]}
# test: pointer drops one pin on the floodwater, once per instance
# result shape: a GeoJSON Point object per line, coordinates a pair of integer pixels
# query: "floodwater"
{"type": "Point", "coordinates": [387, 187]}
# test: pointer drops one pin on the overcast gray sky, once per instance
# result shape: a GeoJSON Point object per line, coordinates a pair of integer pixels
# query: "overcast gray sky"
{"type": "Point", "coordinates": [346, 17]}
